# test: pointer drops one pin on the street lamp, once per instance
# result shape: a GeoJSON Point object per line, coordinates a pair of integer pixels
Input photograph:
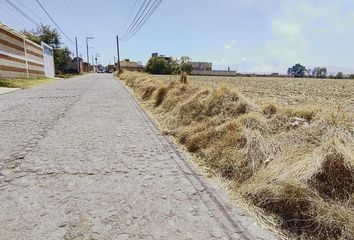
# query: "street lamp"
{"type": "Point", "coordinates": [87, 48]}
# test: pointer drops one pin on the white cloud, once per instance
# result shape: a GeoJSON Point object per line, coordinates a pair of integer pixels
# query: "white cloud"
{"type": "Point", "coordinates": [312, 32]}
{"type": "Point", "coordinates": [302, 31]}
{"type": "Point", "coordinates": [231, 44]}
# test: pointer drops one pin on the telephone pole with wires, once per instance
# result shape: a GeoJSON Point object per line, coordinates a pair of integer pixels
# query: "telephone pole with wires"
{"type": "Point", "coordinates": [77, 57]}
{"type": "Point", "coordinates": [118, 63]}
{"type": "Point", "coordinates": [87, 50]}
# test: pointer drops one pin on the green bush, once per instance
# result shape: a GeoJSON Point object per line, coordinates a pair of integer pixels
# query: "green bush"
{"type": "Point", "coordinates": [297, 71]}
{"type": "Point", "coordinates": [157, 65]}
{"type": "Point", "coordinates": [340, 75]}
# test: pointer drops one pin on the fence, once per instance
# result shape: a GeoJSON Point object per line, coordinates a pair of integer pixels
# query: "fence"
{"type": "Point", "coordinates": [20, 57]}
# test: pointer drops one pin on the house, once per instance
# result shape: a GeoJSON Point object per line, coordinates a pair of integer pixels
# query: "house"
{"type": "Point", "coordinates": [72, 66]}
{"type": "Point", "coordinates": [161, 56]}
{"type": "Point", "coordinates": [128, 65]}
{"type": "Point", "coordinates": [201, 66]}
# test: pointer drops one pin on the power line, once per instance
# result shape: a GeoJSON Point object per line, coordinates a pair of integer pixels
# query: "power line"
{"type": "Point", "coordinates": [77, 6]}
{"type": "Point", "coordinates": [22, 13]}
{"type": "Point", "coordinates": [14, 17]}
{"type": "Point", "coordinates": [146, 18]}
{"type": "Point", "coordinates": [72, 10]}
{"type": "Point", "coordinates": [75, 11]}
{"type": "Point", "coordinates": [142, 13]}
{"type": "Point", "coordinates": [141, 18]}
{"type": "Point", "coordinates": [54, 22]}
{"type": "Point", "coordinates": [131, 12]}
{"type": "Point", "coordinates": [135, 18]}
{"type": "Point", "coordinates": [32, 12]}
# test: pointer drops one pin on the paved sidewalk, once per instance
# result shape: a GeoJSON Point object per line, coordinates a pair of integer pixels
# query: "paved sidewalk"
{"type": "Point", "coordinates": [80, 160]}
{"type": "Point", "coordinates": [4, 90]}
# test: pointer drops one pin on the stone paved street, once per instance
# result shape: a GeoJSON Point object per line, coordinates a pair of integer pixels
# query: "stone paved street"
{"type": "Point", "coordinates": [79, 159]}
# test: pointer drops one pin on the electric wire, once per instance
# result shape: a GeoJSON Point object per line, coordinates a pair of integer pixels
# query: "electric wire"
{"type": "Point", "coordinates": [32, 12]}
{"type": "Point", "coordinates": [143, 15]}
{"type": "Point", "coordinates": [132, 28]}
{"type": "Point", "coordinates": [22, 13]}
{"type": "Point", "coordinates": [46, 12]}
{"type": "Point", "coordinates": [131, 13]}
{"type": "Point", "coordinates": [13, 16]}
{"type": "Point", "coordinates": [143, 21]}
{"type": "Point", "coordinates": [135, 18]}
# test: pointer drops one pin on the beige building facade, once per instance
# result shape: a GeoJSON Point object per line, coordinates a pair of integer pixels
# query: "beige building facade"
{"type": "Point", "coordinates": [20, 57]}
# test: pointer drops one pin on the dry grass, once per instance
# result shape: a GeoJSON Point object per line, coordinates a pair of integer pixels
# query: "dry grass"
{"type": "Point", "coordinates": [286, 91]}
{"type": "Point", "coordinates": [23, 83]}
{"type": "Point", "coordinates": [294, 163]}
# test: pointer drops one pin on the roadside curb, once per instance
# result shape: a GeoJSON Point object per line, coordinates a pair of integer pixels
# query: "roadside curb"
{"type": "Point", "coordinates": [4, 91]}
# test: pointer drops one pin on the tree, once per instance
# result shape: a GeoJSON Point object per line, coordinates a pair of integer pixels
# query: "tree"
{"type": "Point", "coordinates": [51, 37]}
{"type": "Point", "coordinates": [174, 67]}
{"type": "Point", "coordinates": [320, 72]}
{"type": "Point", "coordinates": [157, 65]}
{"type": "Point", "coordinates": [185, 65]}
{"type": "Point", "coordinates": [160, 65]}
{"type": "Point", "coordinates": [297, 71]}
{"type": "Point", "coordinates": [185, 59]}
{"type": "Point", "coordinates": [309, 72]}
{"type": "Point", "coordinates": [340, 75]}
{"type": "Point", "coordinates": [44, 34]}
{"type": "Point", "coordinates": [61, 58]}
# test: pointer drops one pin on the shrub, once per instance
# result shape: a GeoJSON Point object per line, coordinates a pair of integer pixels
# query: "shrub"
{"type": "Point", "coordinates": [297, 71]}
{"type": "Point", "coordinates": [340, 75]}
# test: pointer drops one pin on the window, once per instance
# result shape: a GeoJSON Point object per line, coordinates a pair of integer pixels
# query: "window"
{"type": "Point", "coordinates": [48, 51]}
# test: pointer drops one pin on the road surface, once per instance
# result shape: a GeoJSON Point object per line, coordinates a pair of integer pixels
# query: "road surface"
{"type": "Point", "coordinates": [79, 159]}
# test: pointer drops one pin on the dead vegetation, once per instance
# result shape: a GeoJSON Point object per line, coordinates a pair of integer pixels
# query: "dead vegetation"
{"type": "Point", "coordinates": [295, 164]}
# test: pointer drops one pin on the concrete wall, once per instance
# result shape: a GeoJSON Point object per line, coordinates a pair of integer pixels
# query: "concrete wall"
{"type": "Point", "coordinates": [20, 57]}
{"type": "Point", "coordinates": [126, 64]}
{"type": "Point", "coordinates": [71, 67]}
{"type": "Point", "coordinates": [214, 73]}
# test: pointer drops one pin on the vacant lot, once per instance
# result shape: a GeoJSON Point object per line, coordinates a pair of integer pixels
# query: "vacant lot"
{"type": "Point", "coordinates": [283, 145]}
{"type": "Point", "coordinates": [284, 91]}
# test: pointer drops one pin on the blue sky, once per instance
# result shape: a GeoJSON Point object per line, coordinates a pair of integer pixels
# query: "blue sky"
{"type": "Point", "coordinates": [247, 35]}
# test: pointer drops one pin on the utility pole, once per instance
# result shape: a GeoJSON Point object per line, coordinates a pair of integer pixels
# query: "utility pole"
{"type": "Point", "coordinates": [77, 57]}
{"type": "Point", "coordinates": [87, 59]}
{"type": "Point", "coordinates": [118, 65]}
{"type": "Point", "coordinates": [87, 49]}
{"type": "Point", "coordinates": [93, 63]}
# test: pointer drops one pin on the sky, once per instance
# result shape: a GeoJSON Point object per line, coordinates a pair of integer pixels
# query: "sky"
{"type": "Point", "coordinates": [261, 36]}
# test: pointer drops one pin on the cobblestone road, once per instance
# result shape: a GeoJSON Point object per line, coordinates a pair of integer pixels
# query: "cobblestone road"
{"type": "Point", "coordinates": [80, 160]}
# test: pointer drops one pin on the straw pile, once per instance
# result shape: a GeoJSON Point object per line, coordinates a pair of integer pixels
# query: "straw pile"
{"type": "Point", "coordinates": [294, 164]}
